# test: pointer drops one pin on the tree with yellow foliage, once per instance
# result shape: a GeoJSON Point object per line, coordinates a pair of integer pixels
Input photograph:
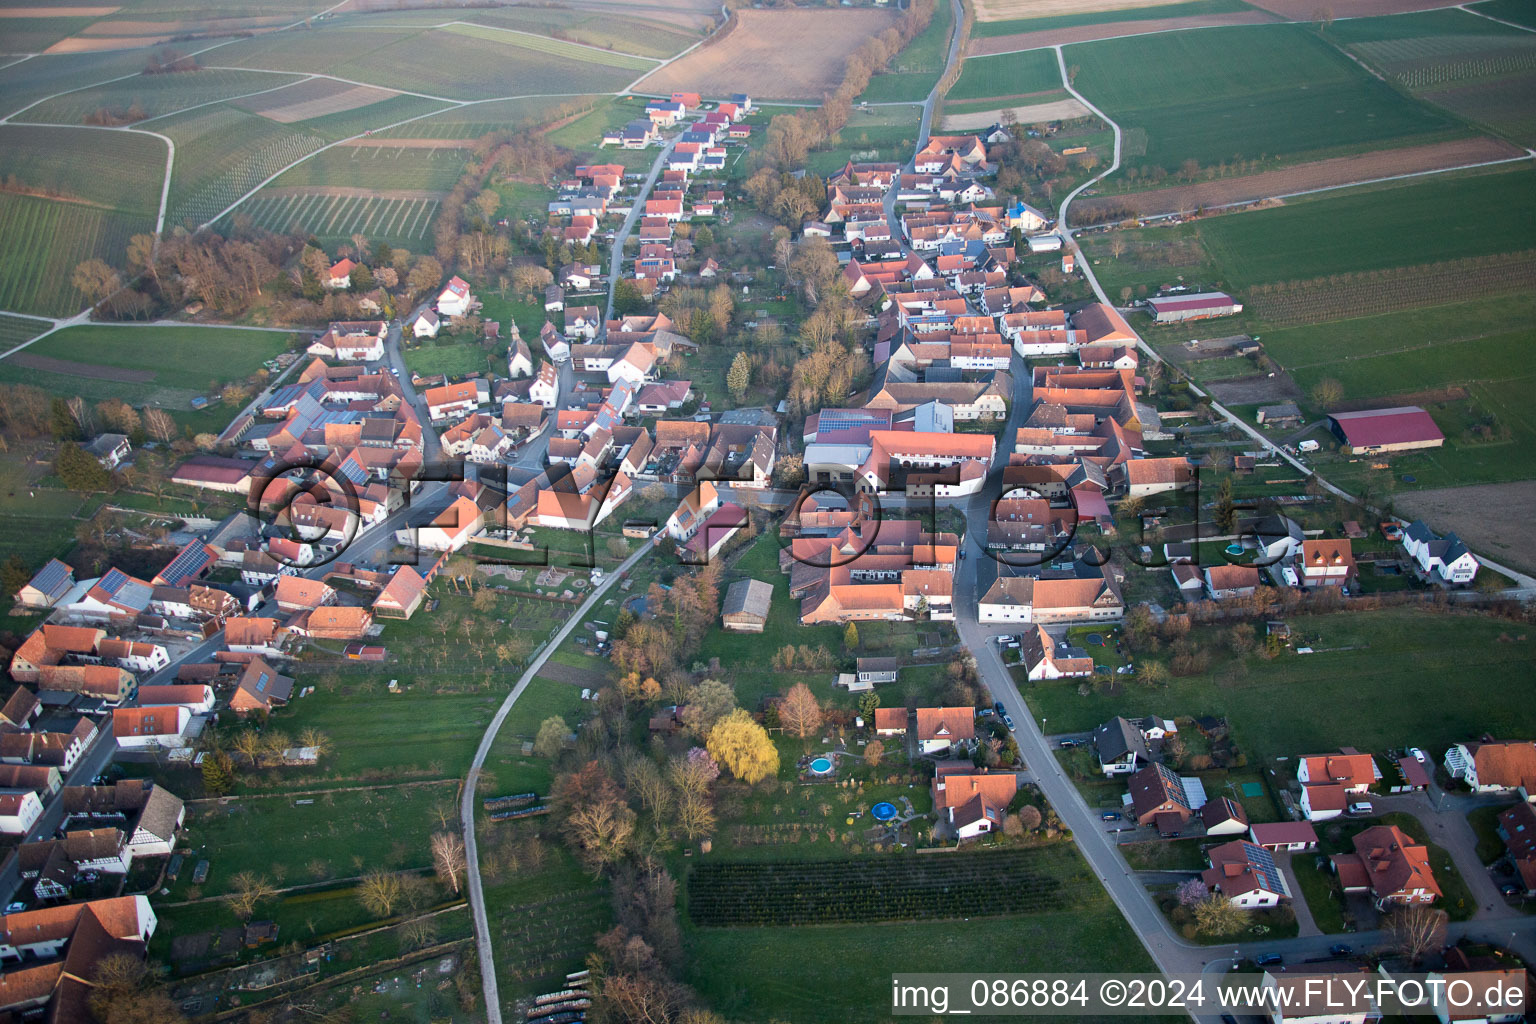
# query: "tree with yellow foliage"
{"type": "Point", "coordinates": [743, 747]}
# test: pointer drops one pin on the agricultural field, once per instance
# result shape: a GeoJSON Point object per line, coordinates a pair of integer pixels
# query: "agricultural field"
{"type": "Point", "coordinates": [222, 152]}
{"type": "Point", "coordinates": [476, 119]}
{"type": "Point", "coordinates": [142, 365]}
{"type": "Point", "coordinates": [1265, 93]}
{"type": "Point", "coordinates": [45, 239]}
{"type": "Point", "coordinates": [1015, 74]}
{"type": "Point", "coordinates": [885, 133]}
{"type": "Point", "coordinates": [1517, 11]}
{"type": "Point", "coordinates": [645, 37]}
{"type": "Point", "coordinates": [1055, 106]}
{"type": "Point", "coordinates": [1104, 16]}
{"type": "Point", "coordinates": [1478, 69]}
{"type": "Point", "coordinates": [1495, 519]}
{"type": "Point", "coordinates": [1373, 228]}
{"type": "Point", "coordinates": [120, 171]}
{"type": "Point", "coordinates": [811, 892]}
{"type": "Point", "coordinates": [155, 95]}
{"type": "Point", "coordinates": [529, 43]}
{"type": "Point", "coordinates": [1399, 663]}
{"type": "Point", "coordinates": [16, 329]}
{"type": "Point", "coordinates": [766, 973]}
{"type": "Point", "coordinates": [1009, 10]}
{"type": "Point", "coordinates": [915, 71]}
{"type": "Point", "coordinates": [36, 34]}
{"type": "Point", "coordinates": [773, 54]}
{"type": "Point", "coordinates": [402, 220]}
{"type": "Point", "coordinates": [379, 168]}
{"type": "Point", "coordinates": [1238, 188]}
{"type": "Point", "coordinates": [1042, 32]}
{"type": "Point", "coordinates": [23, 83]}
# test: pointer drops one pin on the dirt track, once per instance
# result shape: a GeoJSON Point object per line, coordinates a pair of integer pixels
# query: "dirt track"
{"type": "Point", "coordinates": [1303, 10]}
{"type": "Point", "coordinates": [982, 45]}
{"type": "Point", "coordinates": [778, 54]}
{"type": "Point", "coordinates": [92, 371]}
{"type": "Point", "coordinates": [1499, 519]}
{"type": "Point", "coordinates": [1318, 174]}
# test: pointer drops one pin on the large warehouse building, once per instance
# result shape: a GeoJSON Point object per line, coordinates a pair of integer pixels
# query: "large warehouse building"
{"type": "Point", "coordinates": [1168, 308]}
{"type": "Point", "coordinates": [1402, 429]}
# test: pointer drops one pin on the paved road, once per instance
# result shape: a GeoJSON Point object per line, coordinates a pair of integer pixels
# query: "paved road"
{"type": "Point", "coordinates": [91, 764]}
{"type": "Point", "coordinates": [467, 805]}
{"type": "Point", "coordinates": [957, 15]}
{"type": "Point", "coordinates": [616, 258]}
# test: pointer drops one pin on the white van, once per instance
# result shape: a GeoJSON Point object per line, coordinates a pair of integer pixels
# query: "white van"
{"type": "Point", "coordinates": [1307, 446]}
{"type": "Point", "coordinates": [1361, 807]}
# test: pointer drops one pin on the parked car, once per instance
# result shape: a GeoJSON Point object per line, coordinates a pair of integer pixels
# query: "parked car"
{"type": "Point", "coordinates": [1415, 752]}
{"type": "Point", "coordinates": [1268, 959]}
{"type": "Point", "coordinates": [1339, 949]}
{"type": "Point", "coordinates": [1510, 890]}
{"type": "Point", "coordinates": [985, 713]}
{"type": "Point", "coordinates": [1067, 744]}
{"type": "Point", "coordinates": [1008, 721]}
{"type": "Point", "coordinates": [1362, 807]}
{"type": "Point", "coordinates": [997, 706]}
{"type": "Point", "coordinates": [1110, 816]}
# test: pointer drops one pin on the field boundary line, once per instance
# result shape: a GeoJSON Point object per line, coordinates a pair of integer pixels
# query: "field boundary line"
{"type": "Point", "coordinates": [1264, 24]}
{"type": "Point", "coordinates": [1527, 155]}
{"type": "Point", "coordinates": [337, 78]}
{"type": "Point", "coordinates": [1501, 21]}
{"type": "Point", "coordinates": [564, 42]}
{"type": "Point", "coordinates": [170, 160]}
{"type": "Point", "coordinates": [725, 26]}
{"type": "Point", "coordinates": [303, 77]}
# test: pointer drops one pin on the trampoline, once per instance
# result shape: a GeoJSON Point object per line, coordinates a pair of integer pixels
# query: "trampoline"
{"type": "Point", "coordinates": [821, 766]}
{"type": "Point", "coordinates": [1409, 478]}
{"type": "Point", "coordinates": [883, 811]}
{"type": "Point", "coordinates": [1253, 789]}
{"type": "Point", "coordinates": [1096, 639]}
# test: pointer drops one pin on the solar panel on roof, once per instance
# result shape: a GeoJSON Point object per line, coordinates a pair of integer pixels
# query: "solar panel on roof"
{"type": "Point", "coordinates": [261, 683]}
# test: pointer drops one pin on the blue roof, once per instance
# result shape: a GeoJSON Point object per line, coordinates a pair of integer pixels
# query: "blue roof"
{"type": "Point", "coordinates": [113, 581]}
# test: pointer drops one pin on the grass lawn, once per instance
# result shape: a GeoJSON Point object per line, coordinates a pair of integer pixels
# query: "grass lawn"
{"type": "Point", "coordinates": [1320, 889]}
{"type": "Point", "coordinates": [914, 71]}
{"type": "Point", "coordinates": [454, 358]}
{"type": "Point", "coordinates": [1172, 855]}
{"type": "Point", "coordinates": [1403, 664]}
{"type": "Point", "coordinates": [842, 972]}
{"type": "Point", "coordinates": [1250, 92]}
{"type": "Point", "coordinates": [1518, 11]}
{"type": "Point", "coordinates": [1485, 823]}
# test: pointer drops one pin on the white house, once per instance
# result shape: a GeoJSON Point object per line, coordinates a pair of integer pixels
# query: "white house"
{"type": "Point", "coordinates": [154, 834]}
{"type": "Point", "coordinates": [144, 727]}
{"type": "Point", "coordinates": [546, 389]}
{"type": "Point", "coordinates": [1444, 560]}
{"type": "Point", "coordinates": [1246, 874]}
{"type": "Point", "coordinates": [19, 811]}
{"type": "Point", "coordinates": [455, 298]}
{"type": "Point", "coordinates": [426, 325]}
{"type": "Point", "coordinates": [519, 359]}
{"type": "Point", "coordinates": [1508, 767]}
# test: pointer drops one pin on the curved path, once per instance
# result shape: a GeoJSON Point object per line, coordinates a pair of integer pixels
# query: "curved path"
{"type": "Point", "coordinates": [467, 804]}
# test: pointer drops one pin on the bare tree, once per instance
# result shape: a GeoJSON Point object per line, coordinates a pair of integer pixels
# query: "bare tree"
{"type": "Point", "coordinates": [159, 424]}
{"type": "Point", "coordinates": [379, 892]}
{"type": "Point", "coordinates": [250, 890]}
{"type": "Point", "coordinates": [448, 858]}
{"type": "Point", "coordinates": [1416, 930]}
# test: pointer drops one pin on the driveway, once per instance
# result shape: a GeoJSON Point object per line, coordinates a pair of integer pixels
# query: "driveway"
{"type": "Point", "coordinates": [1305, 924]}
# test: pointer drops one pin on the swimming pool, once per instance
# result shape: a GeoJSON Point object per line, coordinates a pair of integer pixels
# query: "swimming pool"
{"type": "Point", "coordinates": [822, 765]}
{"type": "Point", "coordinates": [1234, 549]}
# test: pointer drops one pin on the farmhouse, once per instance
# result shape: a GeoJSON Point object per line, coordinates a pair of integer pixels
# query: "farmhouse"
{"type": "Point", "coordinates": [1026, 599]}
{"type": "Point", "coordinates": [49, 586]}
{"type": "Point", "coordinates": [746, 606]}
{"type": "Point", "coordinates": [109, 449]}
{"type": "Point", "coordinates": [455, 298]}
{"type": "Point", "coordinates": [1388, 864]}
{"type": "Point", "coordinates": [162, 726]}
{"type": "Point", "coordinates": [1046, 659]}
{"type": "Point", "coordinates": [340, 275]}
{"type": "Point", "coordinates": [351, 341]}
{"type": "Point", "coordinates": [261, 688]}
{"type": "Point", "coordinates": [1401, 429]}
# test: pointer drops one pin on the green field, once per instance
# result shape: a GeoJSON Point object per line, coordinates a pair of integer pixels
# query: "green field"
{"type": "Point", "coordinates": [183, 362]}
{"type": "Point", "coordinates": [379, 168]}
{"type": "Point", "coordinates": [1009, 74]}
{"type": "Point", "coordinates": [1521, 12]}
{"type": "Point", "coordinates": [1401, 666]}
{"type": "Point", "coordinates": [360, 120]}
{"type": "Point", "coordinates": [118, 170]}
{"type": "Point", "coordinates": [222, 152]}
{"type": "Point", "coordinates": [44, 240]}
{"type": "Point", "coordinates": [842, 972]}
{"type": "Point", "coordinates": [16, 329]}
{"type": "Point", "coordinates": [1248, 93]}
{"type": "Point", "coordinates": [156, 94]}
{"type": "Point", "coordinates": [455, 360]}
{"type": "Point", "coordinates": [913, 73]}
{"type": "Point", "coordinates": [24, 82]}
{"type": "Point", "coordinates": [528, 43]}
{"type": "Point", "coordinates": [1192, 8]}
{"type": "Point", "coordinates": [1374, 228]}
{"type": "Point", "coordinates": [606, 30]}
{"type": "Point", "coordinates": [476, 119]}
{"type": "Point", "coordinates": [401, 221]}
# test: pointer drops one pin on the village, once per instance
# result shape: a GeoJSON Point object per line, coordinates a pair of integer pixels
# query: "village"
{"type": "Point", "coordinates": [1007, 477]}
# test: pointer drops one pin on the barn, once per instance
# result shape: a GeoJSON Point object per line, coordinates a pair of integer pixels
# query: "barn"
{"type": "Point", "coordinates": [746, 606]}
{"type": "Point", "coordinates": [1167, 309]}
{"type": "Point", "coordinates": [1401, 429]}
